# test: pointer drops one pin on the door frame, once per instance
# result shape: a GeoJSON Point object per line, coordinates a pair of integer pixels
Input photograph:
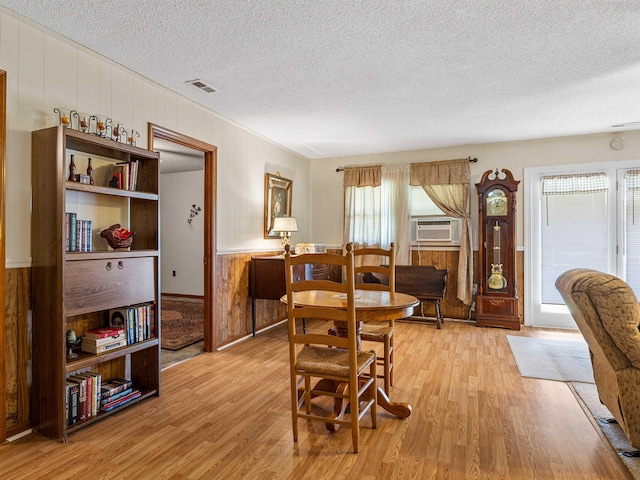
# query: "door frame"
{"type": "Point", "coordinates": [3, 273]}
{"type": "Point", "coordinates": [210, 188]}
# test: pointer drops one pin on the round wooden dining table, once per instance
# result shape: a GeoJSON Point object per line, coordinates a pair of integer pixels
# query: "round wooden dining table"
{"type": "Point", "coordinates": [371, 306]}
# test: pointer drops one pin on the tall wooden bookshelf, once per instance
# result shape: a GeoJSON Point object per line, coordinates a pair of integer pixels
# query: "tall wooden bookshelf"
{"type": "Point", "coordinates": [75, 290]}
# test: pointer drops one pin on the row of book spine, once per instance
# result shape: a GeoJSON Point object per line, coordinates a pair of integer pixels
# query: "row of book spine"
{"type": "Point", "coordinates": [138, 321]}
{"type": "Point", "coordinates": [83, 396]}
{"type": "Point", "coordinates": [126, 175]}
{"type": "Point", "coordinates": [87, 395]}
{"type": "Point", "coordinates": [79, 236]}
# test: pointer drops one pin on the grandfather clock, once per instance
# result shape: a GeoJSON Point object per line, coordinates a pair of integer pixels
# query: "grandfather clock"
{"type": "Point", "coordinates": [497, 301]}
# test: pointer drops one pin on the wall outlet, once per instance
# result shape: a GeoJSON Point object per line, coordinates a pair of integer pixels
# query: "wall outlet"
{"type": "Point", "coordinates": [174, 273]}
{"type": "Point", "coordinates": [474, 289]}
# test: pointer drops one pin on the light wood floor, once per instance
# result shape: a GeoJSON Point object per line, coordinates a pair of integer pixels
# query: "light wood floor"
{"type": "Point", "coordinates": [226, 415]}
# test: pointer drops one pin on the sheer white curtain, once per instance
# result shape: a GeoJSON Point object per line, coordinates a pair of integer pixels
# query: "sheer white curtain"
{"type": "Point", "coordinates": [362, 205]}
{"type": "Point", "coordinates": [362, 215]}
{"type": "Point", "coordinates": [376, 208]}
{"type": "Point", "coordinates": [394, 211]}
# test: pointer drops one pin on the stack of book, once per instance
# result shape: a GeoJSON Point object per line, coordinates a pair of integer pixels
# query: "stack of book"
{"type": "Point", "coordinates": [79, 237]}
{"type": "Point", "coordinates": [138, 321]}
{"type": "Point", "coordinates": [83, 396]}
{"type": "Point", "coordinates": [125, 175]}
{"type": "Point", "coordinates": [116, 393]}
{"type": "Point", "coordinates": [100, 340]}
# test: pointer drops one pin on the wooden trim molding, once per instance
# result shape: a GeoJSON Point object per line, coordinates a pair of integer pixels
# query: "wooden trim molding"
{"type": "Point", "coordinates": [210, 194]}
{"type": "Point", "coordinates": [3, 276]}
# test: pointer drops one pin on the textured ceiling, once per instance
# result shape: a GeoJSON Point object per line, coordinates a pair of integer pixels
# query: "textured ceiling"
{"type": "Point", "coordinates": [336, 78]}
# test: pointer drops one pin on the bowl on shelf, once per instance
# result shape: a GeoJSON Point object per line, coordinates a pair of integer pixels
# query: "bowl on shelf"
{"type": "Point", "coordinates": [117, 237]}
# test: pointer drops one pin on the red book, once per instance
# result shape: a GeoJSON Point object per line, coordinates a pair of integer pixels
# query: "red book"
{"type": "Point", "coordinates": [104, 332]}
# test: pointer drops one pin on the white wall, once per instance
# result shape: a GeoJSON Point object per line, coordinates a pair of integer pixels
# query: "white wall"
{"type": "Point", "coordinates": [45, 71]}
{"type": "Point", "coordinates": [182, 242]}
{"type": "Point", "coordinates": [327, 197]}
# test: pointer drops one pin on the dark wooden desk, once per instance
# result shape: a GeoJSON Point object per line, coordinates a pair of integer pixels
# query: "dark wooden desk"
{"type": "Point", "coordinates": [267, 282]}
{"type": "Point", "coordinates": [426, 283]}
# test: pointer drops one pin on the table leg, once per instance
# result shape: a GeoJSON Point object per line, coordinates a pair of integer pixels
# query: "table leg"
{"type": "Point", "coordinates": [399, 409]}
{"type": "Point", "coordinates": [253, 316]}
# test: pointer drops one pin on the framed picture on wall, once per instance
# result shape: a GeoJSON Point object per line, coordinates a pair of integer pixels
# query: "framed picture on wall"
{"type": "Point", "coordinates": [277, 201]}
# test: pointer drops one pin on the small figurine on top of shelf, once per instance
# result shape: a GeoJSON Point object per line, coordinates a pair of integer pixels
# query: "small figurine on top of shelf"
{"type": "Point", "coordinates": [119, 132]}
{"type": "Point", "coordinates": [131, 138]}
{"type": "Point", "coordinates": [63, 117]}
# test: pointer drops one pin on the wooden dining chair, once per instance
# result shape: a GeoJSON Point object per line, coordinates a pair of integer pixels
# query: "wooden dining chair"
{"type": "Point", "coordinates": [328, 359]}
{"type": "Point", "coordinates": [373, 267]}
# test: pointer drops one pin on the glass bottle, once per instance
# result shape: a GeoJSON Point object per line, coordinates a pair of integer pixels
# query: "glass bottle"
{"type": "Point", "coordinates": [90, 171]}
{"type": "Point", "coordinates": [72, 170]}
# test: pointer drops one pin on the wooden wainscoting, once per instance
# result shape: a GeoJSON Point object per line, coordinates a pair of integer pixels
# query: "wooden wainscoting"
{"type": "Point", "coordinates": [233, 304]}
{"type": "Point", "coordinates": [451, 306]}
{"type": "Point", "coordinates": [18, 350]}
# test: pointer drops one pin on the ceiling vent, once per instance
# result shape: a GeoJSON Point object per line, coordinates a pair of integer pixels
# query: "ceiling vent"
{"type": "Point", "coordinates": [202, 86]}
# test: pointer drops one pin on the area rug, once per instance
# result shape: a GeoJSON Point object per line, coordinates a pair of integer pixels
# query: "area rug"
{"type": "Point", "coordinates": [587, 396]}
{"type": "Point", "coordinates": [170, 358]}
{"type": "Point", "coordinates": [551, 359]}
{"type": "Point", "coordinates": [182, 324]}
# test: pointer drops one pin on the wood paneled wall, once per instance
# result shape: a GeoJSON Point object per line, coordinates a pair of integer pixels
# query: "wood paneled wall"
{"type": "Point", "coordinates": [232, 310]}
{"type": "Point", "coordinates": [18, 350]}
{"type": "Point", "coordinates": [451, 306]}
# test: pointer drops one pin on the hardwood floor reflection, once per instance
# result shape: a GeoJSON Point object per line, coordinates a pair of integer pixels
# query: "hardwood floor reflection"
{"type": "Point", "coordinates": [226, 415]}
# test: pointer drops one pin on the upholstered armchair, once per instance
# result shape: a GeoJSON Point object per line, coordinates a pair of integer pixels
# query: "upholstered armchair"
{"type": "Point", "coordinates": [608, 315]}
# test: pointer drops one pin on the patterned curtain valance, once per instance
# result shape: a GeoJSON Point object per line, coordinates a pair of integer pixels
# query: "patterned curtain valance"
{"type": "Point", "coordinates": [369, 176]}
{"type": "Point", "coordinates": [632, 178]}
{"type": "Point", "coordinates": [574, 183]}
{"type": "Point", "coordinates": [446, 172]}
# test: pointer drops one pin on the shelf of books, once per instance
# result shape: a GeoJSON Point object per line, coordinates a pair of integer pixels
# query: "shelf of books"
{"type": "Point", "coordinates": [88, 398]}
{"type": "Point", "coordinates": [95, 322]}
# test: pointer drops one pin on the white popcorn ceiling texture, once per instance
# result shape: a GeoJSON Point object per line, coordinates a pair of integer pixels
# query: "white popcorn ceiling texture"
{"type": "Point", "coordinates": [334, 78]}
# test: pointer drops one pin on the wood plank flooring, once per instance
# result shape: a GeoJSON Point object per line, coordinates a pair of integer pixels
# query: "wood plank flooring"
{"type": "Point", "coordinates": [225, 415]}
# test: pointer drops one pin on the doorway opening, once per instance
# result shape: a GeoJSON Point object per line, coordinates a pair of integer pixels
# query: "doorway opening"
{"type": "Point", "coordinates": [206, 216]}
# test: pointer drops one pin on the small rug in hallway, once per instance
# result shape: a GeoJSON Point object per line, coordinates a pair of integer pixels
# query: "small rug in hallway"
{"type": "Point", "coordinates": [182, 324]}
{"type": "Point", "coordinates": [170, 358]}
{"type": "Point", "coordinates": [587, 396]}
{"type": "Point", "coordinates": [551, 359]}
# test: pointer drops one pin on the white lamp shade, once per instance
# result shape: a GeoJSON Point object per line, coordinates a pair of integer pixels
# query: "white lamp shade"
{"type": "Point", "coordinates": [285, 224]}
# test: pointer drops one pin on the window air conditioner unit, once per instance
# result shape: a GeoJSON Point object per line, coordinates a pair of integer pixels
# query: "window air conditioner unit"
{"type": "Point", "coordinates": [434, 230]}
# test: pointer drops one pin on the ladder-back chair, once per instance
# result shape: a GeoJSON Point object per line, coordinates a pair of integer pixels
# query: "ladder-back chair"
{"type": "Point", "coordinates": [372, 264]}
{"type": "Point", "coordinates": [328, 358]}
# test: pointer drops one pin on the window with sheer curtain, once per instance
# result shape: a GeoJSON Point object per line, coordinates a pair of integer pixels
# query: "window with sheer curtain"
{"type": "Point", "coordinates": [378, 202]}
{"type": "Point", "coordinates": [377, 208]}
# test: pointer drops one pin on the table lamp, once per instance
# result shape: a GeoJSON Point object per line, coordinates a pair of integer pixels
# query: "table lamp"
{"type": "Point", "coordinates": [285, 225]}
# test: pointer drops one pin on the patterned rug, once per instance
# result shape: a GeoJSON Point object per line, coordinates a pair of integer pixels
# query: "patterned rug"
{"type": "Point", "coordinates": [587, 396]}
{"type": "Point", "coordinates": [182, 324]}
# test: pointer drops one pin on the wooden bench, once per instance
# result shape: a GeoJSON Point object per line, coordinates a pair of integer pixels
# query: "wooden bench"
{"type": "Point", "coordinates": [426, 283]}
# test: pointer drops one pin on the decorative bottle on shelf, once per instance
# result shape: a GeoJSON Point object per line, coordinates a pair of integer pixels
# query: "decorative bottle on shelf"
{"type": "Point", "coordinates": [72, 170]}
{"type": "Point", "coordinates": [90, 171]}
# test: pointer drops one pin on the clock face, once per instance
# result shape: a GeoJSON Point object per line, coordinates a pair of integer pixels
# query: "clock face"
{"type": "Point", "coordinates": [496, 203]}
